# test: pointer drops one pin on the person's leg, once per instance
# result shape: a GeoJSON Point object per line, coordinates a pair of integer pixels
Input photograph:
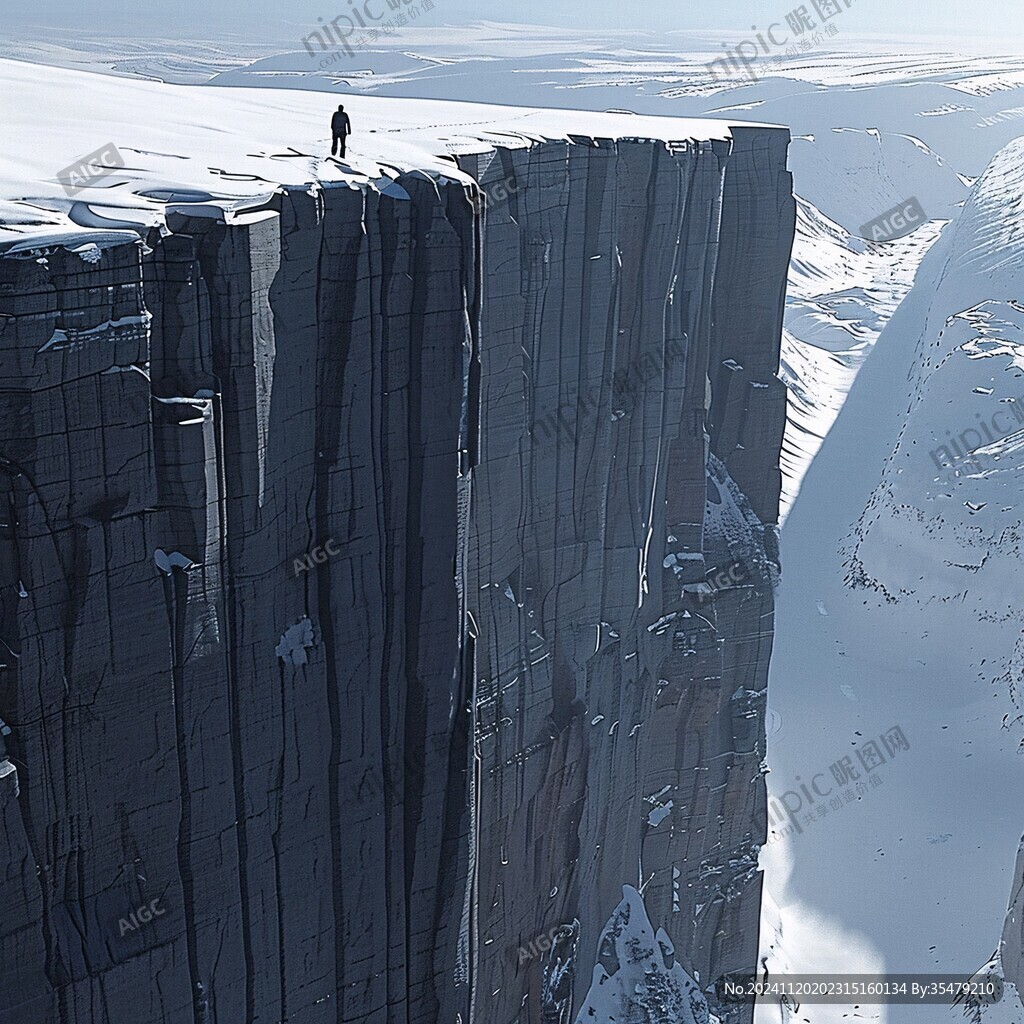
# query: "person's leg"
{"type": "Point", "coordinates": [344, 139]}
{"type": "Point", "coordinates": [334, 146]}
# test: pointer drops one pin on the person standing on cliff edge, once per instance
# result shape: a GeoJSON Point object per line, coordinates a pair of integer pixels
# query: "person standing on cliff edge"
{"type": "Point", "coordinates": [341, 127]}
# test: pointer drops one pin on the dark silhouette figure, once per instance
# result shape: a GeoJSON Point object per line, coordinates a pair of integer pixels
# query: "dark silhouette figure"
{"type": "Point", "coordinates": [341, 127]}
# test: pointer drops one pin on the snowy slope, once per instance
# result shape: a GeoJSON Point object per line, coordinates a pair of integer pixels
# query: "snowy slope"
{"type": "Point", "coordinates": [866, 142]}
{"type": "Point", "coordinates": [900, 606]}
{"type": "Point", "coordinates": [841, 293]}
{"type": "Point", "coordinates": [882, 120]}
{"type": "Point", "coordinates": [887, 118]}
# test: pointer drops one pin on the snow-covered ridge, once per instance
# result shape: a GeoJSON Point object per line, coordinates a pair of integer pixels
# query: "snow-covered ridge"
{"type": "Point", "coordinates": [227, 150]}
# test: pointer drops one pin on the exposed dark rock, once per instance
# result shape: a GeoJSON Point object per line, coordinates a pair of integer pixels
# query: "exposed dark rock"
{"type": "Point", "coordinates": [356, 790]}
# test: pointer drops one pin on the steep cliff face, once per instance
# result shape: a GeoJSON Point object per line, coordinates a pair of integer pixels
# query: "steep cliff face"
{"type": "Point", "coordinates": [276, 755]}
{"type": "Point", "coordinates": [631, 423]}
{"type": "Point", "coordinates": [355, 604]}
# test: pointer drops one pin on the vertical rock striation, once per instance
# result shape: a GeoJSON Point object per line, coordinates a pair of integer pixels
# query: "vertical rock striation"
{"type": "Point", "coordinates": [362, 593]}
{"type": "Point", "coordinates": [631, 424]}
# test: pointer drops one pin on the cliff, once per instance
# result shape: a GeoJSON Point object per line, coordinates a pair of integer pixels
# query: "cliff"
{"type": "Point", "coordinates": [387, 567]}
{"type": "Point", "coordinates": [629, 452]}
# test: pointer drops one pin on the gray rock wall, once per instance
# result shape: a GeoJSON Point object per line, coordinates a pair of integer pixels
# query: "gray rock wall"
{"type": "Point", "coordinates": [342, 650]}
{"type": "Point", "coordinates": [619, 719]}
{"type": "Point", "coordinates": [1011, 946]}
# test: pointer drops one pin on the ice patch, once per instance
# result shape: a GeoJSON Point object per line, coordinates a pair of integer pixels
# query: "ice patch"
{"type": "Point", "coordinates": [169, 562]}
{"type": "Point", "coordinates": [294, 641]}
{"type": "Point", "coordinates": [659, 814]}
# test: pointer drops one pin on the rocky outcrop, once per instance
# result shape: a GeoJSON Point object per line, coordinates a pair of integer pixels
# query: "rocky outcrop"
{"type": "Point", "coordinates": [362, 601]}
{"type": "Point", "coordinates": [1011, 948]}
{"type": "Point", "coordinates": [1003, 975]}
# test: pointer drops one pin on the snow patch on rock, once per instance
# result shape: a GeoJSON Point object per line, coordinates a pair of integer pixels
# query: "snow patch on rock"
{"type": "Point", "coordinates": [637, 979]}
